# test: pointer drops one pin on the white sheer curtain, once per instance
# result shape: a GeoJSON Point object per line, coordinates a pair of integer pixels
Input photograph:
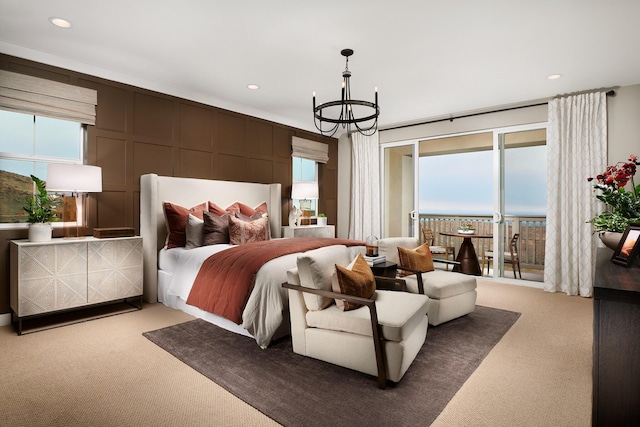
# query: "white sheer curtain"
{"type": "Point", "coordinates": [364, 220]}
{"type": "Point", "coordinates": [577, 149]}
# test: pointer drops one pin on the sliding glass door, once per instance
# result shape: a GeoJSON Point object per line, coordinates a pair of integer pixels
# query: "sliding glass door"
{"type": "Point", "coordinates": [520, 201]}
{"type": "Point", "coordinates": [493, 181]}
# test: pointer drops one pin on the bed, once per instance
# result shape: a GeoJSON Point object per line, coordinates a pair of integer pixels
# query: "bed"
{"type": "Point", "coordinates": [169, 273]}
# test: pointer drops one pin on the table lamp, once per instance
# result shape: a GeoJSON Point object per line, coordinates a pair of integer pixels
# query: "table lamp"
{"type": "Point", "coordinates": [304, 191]}
{"type": "Point", "coordinates": [74, 182]}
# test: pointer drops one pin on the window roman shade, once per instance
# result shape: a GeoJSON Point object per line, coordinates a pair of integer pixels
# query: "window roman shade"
{"type": "Point", "coordinates": [311, 150]}
{"type": "Point", "coordinates": [42, 97]}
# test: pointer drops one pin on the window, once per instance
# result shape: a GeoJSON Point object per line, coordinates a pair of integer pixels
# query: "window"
{"type": "Point", "coordinates": [305, 170]}
{"type": "Point", "coordinates": [28, 143]}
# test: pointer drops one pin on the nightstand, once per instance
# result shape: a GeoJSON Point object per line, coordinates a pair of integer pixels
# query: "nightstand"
{"type": "Point", "coordinates": [326, 231]}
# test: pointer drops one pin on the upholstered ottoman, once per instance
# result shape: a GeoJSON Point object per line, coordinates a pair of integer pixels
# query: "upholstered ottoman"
{"type": "Point", "coordinates": [451, 295]}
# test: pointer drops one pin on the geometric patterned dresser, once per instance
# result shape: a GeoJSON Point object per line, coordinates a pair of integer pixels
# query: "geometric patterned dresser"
{"type": "Point", "coordinates": [62, 274]}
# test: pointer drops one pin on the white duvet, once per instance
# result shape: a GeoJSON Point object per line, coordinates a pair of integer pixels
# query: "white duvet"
{"type": "Point", "coordinates": [263, 313]}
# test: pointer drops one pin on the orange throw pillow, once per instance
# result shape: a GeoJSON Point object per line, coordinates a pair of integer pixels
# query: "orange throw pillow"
{"type": "Point", "coordinates": [357, 281]}
{"type": "Point", "coordinates": [418, 259]}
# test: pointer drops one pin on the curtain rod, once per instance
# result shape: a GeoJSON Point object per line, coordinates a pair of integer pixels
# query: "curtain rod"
{"type": "Point", "coordinates": [464, 116]}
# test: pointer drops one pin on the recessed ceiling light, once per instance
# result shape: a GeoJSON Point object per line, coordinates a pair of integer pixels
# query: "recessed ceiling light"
{"type": "Point", "coordinates": [554, 76]}
{"type": "Point", "coordinates": [59, 22]}
{"type": "Point", "coordinates": [253, 87]}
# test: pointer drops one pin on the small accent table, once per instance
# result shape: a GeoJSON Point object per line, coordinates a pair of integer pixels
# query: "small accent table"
{"type": "Point", "coordinates": [385, 269]}
{"type": "Point", "coordinates": [467, 257]}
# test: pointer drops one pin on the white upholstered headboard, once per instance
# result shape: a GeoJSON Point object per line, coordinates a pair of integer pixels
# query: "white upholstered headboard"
{"type": "Point", "coordinates": [188, 192]}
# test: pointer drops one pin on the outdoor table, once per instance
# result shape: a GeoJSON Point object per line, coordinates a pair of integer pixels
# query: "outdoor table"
{"type": "Point", "coordinates": [467, 257]}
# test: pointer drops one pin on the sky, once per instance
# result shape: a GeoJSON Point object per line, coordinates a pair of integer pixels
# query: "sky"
{"type": "Point", "coordinates": [463, 183]}
{"type": "Point", "coordinates": [47, 137]}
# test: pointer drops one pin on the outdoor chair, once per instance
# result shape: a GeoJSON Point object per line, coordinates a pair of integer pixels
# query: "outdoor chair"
{"type": "Point", "coordinates": [511, 256]}
{"type": "Point", "coordinates": [427, 234]}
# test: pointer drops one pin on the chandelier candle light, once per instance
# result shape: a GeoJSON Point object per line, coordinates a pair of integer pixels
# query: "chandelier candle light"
{"type": "Point", "coordinates": [347, 117]}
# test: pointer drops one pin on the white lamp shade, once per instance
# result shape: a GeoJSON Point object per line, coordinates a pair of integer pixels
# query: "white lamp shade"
{"type": "Point", "coordinates": [304, 190]}
{"type": "Point", "coordinates": [68, 178]}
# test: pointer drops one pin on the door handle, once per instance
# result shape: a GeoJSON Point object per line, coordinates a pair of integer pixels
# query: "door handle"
{"type": "Point", "coordinates": [497, 217]}
{"type": "Point", "coordinates": [414, 214]}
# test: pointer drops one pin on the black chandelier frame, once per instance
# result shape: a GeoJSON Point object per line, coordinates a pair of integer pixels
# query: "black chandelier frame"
{"type": "Point", "coordinates": [346, 118]}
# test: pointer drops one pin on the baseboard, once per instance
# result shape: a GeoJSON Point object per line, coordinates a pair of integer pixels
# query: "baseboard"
{"type": "Point", "coordinates": [5, 319]}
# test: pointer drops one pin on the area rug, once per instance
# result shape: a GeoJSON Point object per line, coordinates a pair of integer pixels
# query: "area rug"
{"type": "Point", "coordinates": [299, 391]}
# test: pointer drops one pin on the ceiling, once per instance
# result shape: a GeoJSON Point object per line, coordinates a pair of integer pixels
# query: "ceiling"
{"type": "Point", "coordinates": [428, 58]}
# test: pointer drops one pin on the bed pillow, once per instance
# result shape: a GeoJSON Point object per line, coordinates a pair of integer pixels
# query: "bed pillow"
{"type": "Point", "coordinates": [176, 218]}
{"type": "Point", "coordinates": [356, 279]}
{"type": "Point", "coordinates": [417, 259]}
{"type": "Point", "coordinates": [248, 218]}
{"type": "Point", "coordinates": [215, 229]}
{"type": "Point", "coordinates": [213, 208]}
{"type": "Point", "coordinates": [249, 211]}
{"type": "Point", "coordinates": [194, 232]}
{"type": "Point", "coordinates": [241, 232]}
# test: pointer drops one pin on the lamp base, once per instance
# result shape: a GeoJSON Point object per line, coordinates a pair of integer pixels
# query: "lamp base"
{"type": "Point", "coordinates": [72, 214]}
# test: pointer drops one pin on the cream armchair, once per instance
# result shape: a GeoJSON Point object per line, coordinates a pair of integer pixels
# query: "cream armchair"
{"type": "Point", "coordinates": [381, 338]}
{"type": "Point", "coordinates": [451, 295]}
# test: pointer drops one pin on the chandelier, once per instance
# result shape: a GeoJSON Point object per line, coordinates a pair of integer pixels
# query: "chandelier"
{"type": "Point", "coordinates": [362, 115]}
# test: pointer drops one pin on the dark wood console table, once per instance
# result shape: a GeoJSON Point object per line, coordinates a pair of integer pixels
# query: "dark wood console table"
{"type": "Point", "coordinates": [616, 343]}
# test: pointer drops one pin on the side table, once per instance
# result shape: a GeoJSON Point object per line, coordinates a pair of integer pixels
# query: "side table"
{"type": "Point", "coordinates": [385, 269]}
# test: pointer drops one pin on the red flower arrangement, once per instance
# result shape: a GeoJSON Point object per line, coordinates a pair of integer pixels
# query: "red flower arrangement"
{"type": "Point", "coordinates": [623, 206]}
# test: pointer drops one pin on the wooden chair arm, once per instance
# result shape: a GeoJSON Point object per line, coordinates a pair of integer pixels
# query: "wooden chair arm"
{"type": "Point", "coordinates": [418, 274]}
{"type": "Point", "coordinates": [391, 284]}
{"type": "Point", "coordinates": [331, 294]}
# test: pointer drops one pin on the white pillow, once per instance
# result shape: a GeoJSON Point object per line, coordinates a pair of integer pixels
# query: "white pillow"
{"type": "Point", "coordinates": [389, 247]}
{"type": "Point", "coordinates": [316, 267]}
{"type": "Point", "coordinates": [193, 232]}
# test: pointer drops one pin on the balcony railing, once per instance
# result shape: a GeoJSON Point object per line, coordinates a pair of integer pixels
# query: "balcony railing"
{"type": "Point", "coordinates": [532, 231]}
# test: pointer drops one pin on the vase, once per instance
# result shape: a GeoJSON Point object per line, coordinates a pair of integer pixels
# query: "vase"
{"type": "Point", "coordinates": [40, 232]}
{"type": "Point", "coordinates": [610, 239]}
{"type": "Point", "coordinates": [321, 220]}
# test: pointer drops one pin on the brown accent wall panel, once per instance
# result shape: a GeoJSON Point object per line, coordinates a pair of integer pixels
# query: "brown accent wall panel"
{"type": "Point", "coordinates": [230, 168]}
{"type": "Point", "coordinates": [330, 209]}
{"type": "Point", "coordinates": [282, 142]}
{"type": "Point", "coordinates": [195, 164]}
{"type": "Point", "coordinates": [259, 138]}
{"type": "Point", "coordinates": [138, 131]}
{"type": "Point", "coordinates": [196, 127]}
{"type": "Point", "coordinates": [152, 116]}
{"type": "Point", "coordinates": [333, 155]}
{"type": "Point", "coordinates": [113, 208]}
{"type": "Point", "coordinates": [229, 133]}
{"type": "Point", "coordinates": [259, 170]}
{"type": "Point", "coordinates": [111, 111]}
{"type": "Point", "coordinates": [111, 156]}
{"type": "Point", "coordinates": [151, 158]}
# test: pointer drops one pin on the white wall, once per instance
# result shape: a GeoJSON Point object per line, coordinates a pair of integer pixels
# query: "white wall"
{"type": "Point", "coordinates": [623, 130]}
{"type": "Point", "coordinates": [624, 124]}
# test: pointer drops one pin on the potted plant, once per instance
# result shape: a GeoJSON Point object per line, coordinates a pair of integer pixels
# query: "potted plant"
{"type": "Point", "coordinates": [322, 219]}
{"type": "Point", "coordinates": [40, 208]}
{"type": "Point", "coordinates": [466, 228]}
{"type": "Point", "coordinates": [621, 206]}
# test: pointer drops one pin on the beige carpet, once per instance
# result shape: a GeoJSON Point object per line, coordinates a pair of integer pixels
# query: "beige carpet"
{"type": "Point", "coordinates": [105, 373]}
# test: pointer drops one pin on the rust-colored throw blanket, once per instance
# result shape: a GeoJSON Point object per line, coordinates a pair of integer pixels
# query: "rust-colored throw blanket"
{"type": "Point", "coordinates": [226, 278]}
